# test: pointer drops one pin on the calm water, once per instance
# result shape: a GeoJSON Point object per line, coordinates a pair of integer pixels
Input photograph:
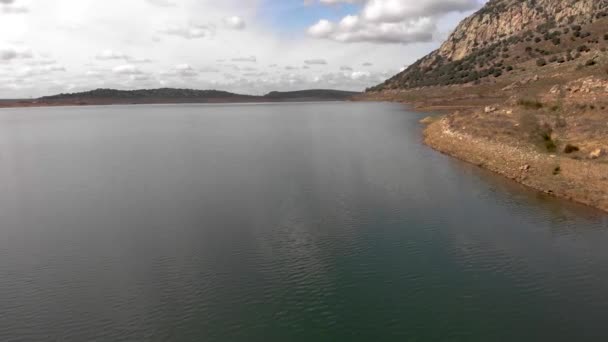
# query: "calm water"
{"type": "Point", "coordinates": [290, 222]}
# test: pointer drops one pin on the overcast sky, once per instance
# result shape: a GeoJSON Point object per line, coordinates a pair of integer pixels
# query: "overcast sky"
{"type": "Point", "coordinates": [248, 46]}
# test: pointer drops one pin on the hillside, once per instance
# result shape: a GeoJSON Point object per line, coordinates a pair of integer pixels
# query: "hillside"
{"type": "Point", "coordinates": [172, 95]}
{"type": "Point", "coordinates": [317, 94]}
{"type": "Point", "coordinates": [524, 88]}
{"type": "Point", "coordinates": [162, 93]}
{"type": "Point", "coordinates": [506, 34]}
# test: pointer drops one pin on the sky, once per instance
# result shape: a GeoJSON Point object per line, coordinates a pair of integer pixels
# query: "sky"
{"type": "Point", "coordinates": [245, 46]}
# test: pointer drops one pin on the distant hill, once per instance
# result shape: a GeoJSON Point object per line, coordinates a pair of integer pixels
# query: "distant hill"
{"type": "Point", "coordinates": [505, 34]}
{"type": "Point", "coordinates": [318, 94]}
{"type": "Point", "coordinates": [172, 95]}
{"type": "Point", "coordinates": [164, 93]}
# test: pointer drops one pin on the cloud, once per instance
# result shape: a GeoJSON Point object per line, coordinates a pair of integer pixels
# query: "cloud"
{"type": "Point", "coordinates": [107, 55]}
{"type": "Point", "coordinates": [14, 9]}
{"type": "Point", "coordinates": [352, 29]}
{"type": "Point", "coordinates": [235, 23]}
{"type": "Point", "coordinates": [9, 53]}
{"type": "Point", "coordinates": [322, 29]}
{"type": "Point", "coordinates": [315, 62]}
{"type": "Point", "coordinates": [8, 7]}
{"type": "Point", "coordinates": [398, 10]}
{"type": "Point", "coordinates": [250, 59]}
{"type": "Point", "coordinates": [127, 69]}
{"type": "Point", "coordinates": [161, 3]}
{"type": "Point", "coordinates": [367, 64]}
{"type": "Point", "coordinates": [389, 21]}
{"type": "Point", "coordinates": [39, 70]}
{"type": "Point", "coordinates": [185, 70]}
{"type": "Point", "coordinates": [189, 32]}
{"type": "Point", "coordinates": [346, 68]}
{"type": "Point", "coordinates": [209, 70]}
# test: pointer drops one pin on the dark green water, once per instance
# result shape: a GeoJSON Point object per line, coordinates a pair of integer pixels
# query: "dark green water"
{"type": "Point", "coordinates": [292, 222]}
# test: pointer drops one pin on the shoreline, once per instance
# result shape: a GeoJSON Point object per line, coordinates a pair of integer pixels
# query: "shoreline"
{"type": "Point", "coordinates": [551, 174]}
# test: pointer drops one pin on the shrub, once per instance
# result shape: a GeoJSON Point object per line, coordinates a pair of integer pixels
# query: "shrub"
{"type": "Point", "coordinates": [571, 149]}
{"type": "Point", "coordinates": [531, 104]}
{"type": "Point", "coordinates": [583, 48]}
{"type": "Point", "coordinates": [541, 62]}
{"type": "Point", "coordinates": [556, 41]}
{"type": "Point", "coordinates": [606, 36]}
{"type": "Point", "coordinates": [549, 143]}
{"type": "Point", "coordinates": [557, 170]}
{"type": "Point", "coordinates": [537, 39]}
{"type": "Point", "coordinates": [590, 62]}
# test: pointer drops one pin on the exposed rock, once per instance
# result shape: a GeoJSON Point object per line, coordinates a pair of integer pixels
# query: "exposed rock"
{"type": "Point", "coordinates": [503, 18]}
{"type": "Point", "coordinates": [597, 153]}
{"type": "Point", "coordinates": [489, 109]}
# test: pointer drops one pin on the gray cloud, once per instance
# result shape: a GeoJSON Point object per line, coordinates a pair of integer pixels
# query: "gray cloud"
{"type": "Point", "coordinates": [315, 62]}
{"type": "Point", "coordinates": [250, 59]}
{"type": "Point", "coordinates": [7, 54]}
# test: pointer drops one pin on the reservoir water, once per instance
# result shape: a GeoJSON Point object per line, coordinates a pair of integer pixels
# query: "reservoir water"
{"type": "Point", "coordinates": [279, 222]}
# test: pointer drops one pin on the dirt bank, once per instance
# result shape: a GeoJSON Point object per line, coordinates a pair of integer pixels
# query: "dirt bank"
{"type": "Point", "coordinates": [583, 181]}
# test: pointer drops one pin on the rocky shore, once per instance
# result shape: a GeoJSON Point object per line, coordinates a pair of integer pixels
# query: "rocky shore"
{"type": "Point", "coordinates": [583, 181]}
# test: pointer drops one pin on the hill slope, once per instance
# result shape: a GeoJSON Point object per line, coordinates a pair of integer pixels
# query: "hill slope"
{"type": "Point", "coordinates": [172, 95]}
{"type": "Point", "coordinates": [505, 34]}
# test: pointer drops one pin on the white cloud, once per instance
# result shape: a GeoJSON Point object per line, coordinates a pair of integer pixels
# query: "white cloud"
{"type": "Point", "coordinates": [106, 55]}
{"type": "Point", "coordinates": [390, 21]}
{"type": "Point", "coordinates": [161, 3]}
{"type": "Point", "coordinates": [190, 31]}
{"type": "Point", "coordinates": [127, 69]}
{"type": "Point", "coordinates": [235, 23]}
{"type": "Point", "coordinates": [250, 59]}
{"type": "Point", "coordinates": [322, 29]}
{"type": "Point", "coordinates": [398, 10]}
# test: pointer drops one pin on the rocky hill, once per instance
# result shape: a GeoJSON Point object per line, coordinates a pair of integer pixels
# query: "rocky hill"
{"type": "Point", "coordinates": [503, 35]}
{"type": "Point", "coordinates": [524, 85]}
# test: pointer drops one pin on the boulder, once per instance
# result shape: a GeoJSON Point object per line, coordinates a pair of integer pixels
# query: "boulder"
{"type": "Point", "coordinates": [597, 153]}
{"type": "Point", "coordinates": [489, 109]}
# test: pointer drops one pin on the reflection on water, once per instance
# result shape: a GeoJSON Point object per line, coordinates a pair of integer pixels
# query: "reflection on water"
{"type": "Point", "coordinates": [279, 222]}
